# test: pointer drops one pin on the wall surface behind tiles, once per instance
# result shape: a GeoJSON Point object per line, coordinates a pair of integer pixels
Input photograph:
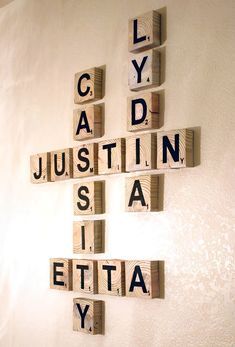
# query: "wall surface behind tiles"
{"type": "Point", "coordinates": [42, 45]}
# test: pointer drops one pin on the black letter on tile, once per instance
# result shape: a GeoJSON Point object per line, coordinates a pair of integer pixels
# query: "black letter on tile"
{"type": "Point", "coordinates": [137, 151]}
{"type": "Point", "coordinates": [175, 152]}
{"type": "Point", "coordinates": [83, 237]}
{"type": "Point", "coordinates": [57, 273]}
{"type": "Point", "coordinates": [137, 39]}
{"type": "Point", "coordinates": [61, 172]}
{"type": "Point", "coordinates": [140, 283]}
{"type": "Point", "coordinates": [139, 68]}
{"type": "Point", "coordinates": [80, 92]}
{"type": "Point", "coordinates": [109, 148]}
{"type": "Point", "coordinates": [37, 176]}
{"type": "Point", "coordinates": [83, 123]}
{"type": "Point", "coordinates": [82, 314]}
{"type": "Point", "coordinates": [109, 268]}
{"type": "Point", "coordinates": [134, 102]}
{"type": "Point", "coordinates": [82, 268]}
{"type": "Point", "coordinates": [84, 198]}
{"type": "Point", "coordinates": [81, 153]}
{"type": "Point", "coordinates": [139, 197]}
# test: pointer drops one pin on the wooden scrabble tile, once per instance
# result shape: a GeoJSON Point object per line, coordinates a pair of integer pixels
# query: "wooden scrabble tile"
{"type": "Point", "coordinates": [143, 112]}
{"type": "Point", "coordinates": [111, 277]}
{"type": "Point", "coordinates": [88, 85]}
{"type": "Point", "coordinates": [141, 152]}
{"type": "Point", "coordinates": [40, 168]}
{"type": "Point", "coordinates": [88, 237]}
{"type": "Point", "coordinates": [145, 31]}
{"type": "Point", "coordinates": [144, 70]}
{"type": "Point", "coordinates": [142, 279]}
{"type": "Point", "coordinates": [87, 123]}
{"type": "Point", "coordinates": [61, 164]}
{"type": "Point", "coordinates": [88, 198]}
{"type": "Point", "coordinates": [61, 274]}
{"type": "Point", "coordinates": [111, 156]}
{"type": "Point", "coordinates": [175, 149]}
{"type": "Point", "coordinates": [85, 160]}
{"type": "Point", "coordinates": [85, 277]}
{"type": "Point", "coordinates": [88, 316]}
{"type": "Point", "coordinates": [142, 193]}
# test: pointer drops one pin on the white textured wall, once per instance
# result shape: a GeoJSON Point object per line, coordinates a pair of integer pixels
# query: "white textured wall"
{"type": "Point", "coordinates": [42, 44]}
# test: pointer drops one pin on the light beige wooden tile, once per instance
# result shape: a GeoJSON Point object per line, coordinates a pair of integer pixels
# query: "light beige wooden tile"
{"type": "Point", "coordinates": [61, 164]}
{"type": "Point", "coordinates": [88, 316]}
{"type": "Point", "coordinates": [88, 85]}
{"type": "Point", "coordinates": [85, 160]}
{"type": "Point", "coordinates": [61, 274]}
{"type": "Point", "coordinates": [87, 123]}
{"type": "Point", "coordinates": [175, 149]}
{"type": "Point", "coordinates": [111, 277]}
{"type": "Point", "coordinates": [88, 237]}
{"type": "Point", "coordinates": [144, 70]}
{"type": "Point", "coordinates": [85, 276]}
{"type": "Point", "coordinates": [142, 193]}
{"type": "Point", "coordinates": [142, 279]}
{"type": "Point", "coordinates": [141, 152]}
{"type": "Point", "coordinates": [111, 156]}
{"type": "Point", "coordinates": [40, 168]}
{"type": "Point", "coordinates": [143, 112]}
{"type": "Point", "coordinates": [88, 198]}
{"type": "Point", "coordinates": [144, 31]}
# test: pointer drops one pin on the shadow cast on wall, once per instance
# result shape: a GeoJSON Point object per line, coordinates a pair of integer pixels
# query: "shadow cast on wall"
{"type": "Point", "coordinates": [5, 2]}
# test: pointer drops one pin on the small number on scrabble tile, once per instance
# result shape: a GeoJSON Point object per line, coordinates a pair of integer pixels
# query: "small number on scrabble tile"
{"type": "Point", "coordinates": [111, 277]}
{"type": "Point", "coordinates": [111, 156]}
{"type": "Point", "coordinates": [88, 316]}
{"type": "Point", "coordinates": [141, 152]}
{"type": "Point", "coordinates": [85, 279]}
{"type": "Point", "coordinates": [142, 193]}
{"type": "Point", "coordinates": [61, 274]}
{"type": "Point", "coordinates": [144, 70]}
{"type": "Point", "coordinates": [143, 112]}
{"type": "Point", "coordinates": [144, 31]}
{"type": "Point", "coordinates": [87, 123]}
{"type": "Point", "coordinates": [40, 168]}
{"type": "Point", "coordinates": [142, 279]}
{"type": "Point", "coordinates": [88, 198]}
{"type": "Point", "coordinates": [88, 85]}
{"type": "Point", "coordinates": [85, 160]}
{"type": "Point", "coordinates": [88, 237]}
{"type": "Point", "coordinates": [61, 164]}
{"type": "Point", "coordinates": [175, 149]}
